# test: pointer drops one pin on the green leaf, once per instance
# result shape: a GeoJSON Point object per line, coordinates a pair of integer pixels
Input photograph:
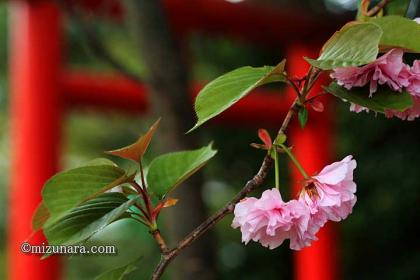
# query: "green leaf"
{"type": "Point", "coordinates": [118, 273]}
{"type": "Point", "coordinates": [398, 32]}
{"type": "Point", "coordinates": [88, 218]}
{"type": "Point", "coordinates": [68, 189]}
{"type": "Point", "coordinates": [355, 44]}
{"type": "Point", "coordinates": [136, 151]}
{"type": "Point", "coordinates": [383, 99]}
{"type": "Point", "coordinates": [99, 161]}
{"type": "Point", "coordinates": [397, 7]}
{"type": "Point", "coordinates": [40, 217]}
{"type": "Point", "coordinates": [166, 172]}
{"type": "Point", "coordinates": [303, 116]}
{"type": "Point", "coordinates": [226, 90]}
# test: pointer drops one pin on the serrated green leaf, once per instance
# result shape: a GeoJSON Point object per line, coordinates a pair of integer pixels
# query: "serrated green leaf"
{"type": "Point", "coordinates": [355, 44]}
{"type": "Point", "coordinates": [226, 90]}
{"type": "Point", "coordinates": [398, 32]}
{"type": "Point", "coordinates": [383, 99]}
{"type": "Point", "coordinates": [118, 273]}
{"type": "Point", "coordinates": [68, 189]}
{"type": "Point", "coordinates": [303, 116]}
{"type": "Point", "coordinates": [167, 171]}
{"type": "Point", "coordinates": [397, 7]}
{"type": "Point", "coordinates": [88, 218]}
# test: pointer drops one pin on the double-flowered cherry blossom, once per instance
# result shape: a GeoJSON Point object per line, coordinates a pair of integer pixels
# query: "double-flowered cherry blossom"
{"type": "Point", "coordinates": [414, 79]}
{"type": "Point", "coordinates": [269, 220]}
{"type": "Point", "coordinates": [326, 196]}
{"type": "Point", "coordinates": [389, 69]}
{"type": "Point", "coordinates": [330, 195]}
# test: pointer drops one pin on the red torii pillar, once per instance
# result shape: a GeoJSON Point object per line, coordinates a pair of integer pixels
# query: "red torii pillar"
{"type": "Point", "coordinates": [313, 148]}
{"type": "Point", "coordinates": [35, 116]}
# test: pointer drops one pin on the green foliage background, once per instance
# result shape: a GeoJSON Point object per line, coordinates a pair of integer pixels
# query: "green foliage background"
{"type": "Point", "coordinates": [378, 241]}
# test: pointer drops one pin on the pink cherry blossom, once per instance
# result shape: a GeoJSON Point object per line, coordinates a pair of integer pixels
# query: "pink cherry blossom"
{"type": "Point", "coordinates": [388, 69]}
{"type": "Point", "coordinates": [330, 194]}
{"type": "Point", "coordinates": [410, 114]}
{"type": "Point", "coordinates": [414, 80]}
{"type": "Point", "coordinates": [357, 108]}
{"type": "Point", "coordinates": [269, 220]}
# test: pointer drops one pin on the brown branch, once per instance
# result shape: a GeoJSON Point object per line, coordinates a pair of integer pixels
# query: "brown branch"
{"type": "Point", "coordinates": [250, 186]}
{"type": "Point", "coordinates": [376, 9]}
{"type": "Point", "coordinates": [160, 241]}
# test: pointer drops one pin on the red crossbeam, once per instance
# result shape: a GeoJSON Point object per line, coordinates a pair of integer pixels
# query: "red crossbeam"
{"type": "Point", "coordinates": [106, 92]}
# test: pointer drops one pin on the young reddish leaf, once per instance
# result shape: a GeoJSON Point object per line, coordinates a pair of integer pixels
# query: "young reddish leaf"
{"type": "Point", "coordinates": [317, 105]}
{"type": "Point", "coordinates": [170, 202]}
{"type": "Point", "coordinates": [265, 137]}
{"type": "Point", "coordinates": [136, 151]}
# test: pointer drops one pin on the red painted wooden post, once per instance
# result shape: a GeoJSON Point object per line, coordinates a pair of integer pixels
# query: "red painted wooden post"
{"type": "Point", "coordinates": [313, 147]}
{"type": "Point", "coordinates": [35, 114]}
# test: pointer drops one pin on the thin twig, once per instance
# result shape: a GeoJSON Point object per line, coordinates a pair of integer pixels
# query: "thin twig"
{"type": "Point", "coordinates": [250, 186]}
{"type": "Point", "coordinates": [295, 87]}
{"type": "Point", "coordinates": [376, 9]}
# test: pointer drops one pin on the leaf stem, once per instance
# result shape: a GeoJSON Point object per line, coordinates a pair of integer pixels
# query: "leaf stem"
{"type": "Point", "coordinates": [295, 161]}
{"type": "Point", "coordinates": [146, 196]}
{"type": "Point", "coordinates": [376, 9]}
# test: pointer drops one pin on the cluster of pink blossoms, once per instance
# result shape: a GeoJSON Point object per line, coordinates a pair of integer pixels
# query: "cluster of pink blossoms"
{"type": "Point", "coordinates": [326, 196]}
{"type": "Point", "coordinates": [390, 70]}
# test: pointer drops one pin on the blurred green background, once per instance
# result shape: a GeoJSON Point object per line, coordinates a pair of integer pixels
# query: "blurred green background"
{"type": "Point", "coordinates": [378, 241]}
